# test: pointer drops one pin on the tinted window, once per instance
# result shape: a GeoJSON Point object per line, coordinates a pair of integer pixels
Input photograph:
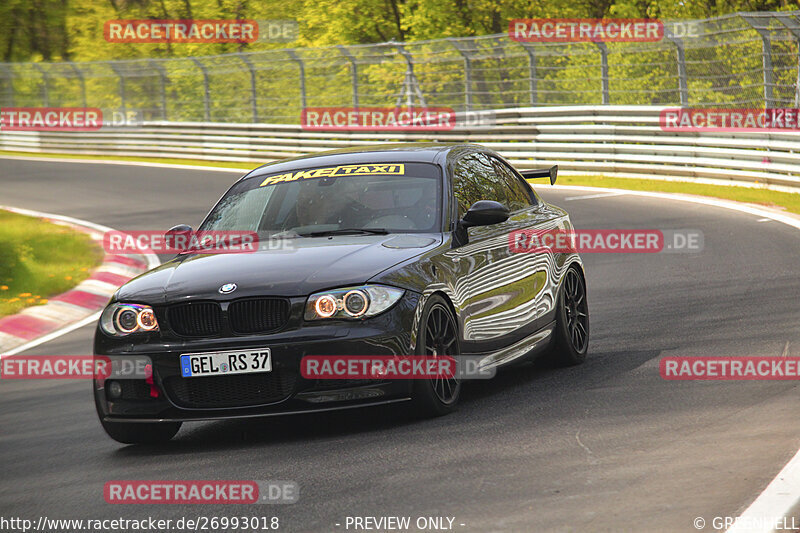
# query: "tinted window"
{"type": "Point", "coordinates": [518, 193]}
{"type": "Point", "coordinates": [473, 180]}
{"type": "Point", "coordinates": [480, 177]}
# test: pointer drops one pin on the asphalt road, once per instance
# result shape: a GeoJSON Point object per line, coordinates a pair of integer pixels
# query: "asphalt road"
{"type": "Point", "coordinates": [607, 446]}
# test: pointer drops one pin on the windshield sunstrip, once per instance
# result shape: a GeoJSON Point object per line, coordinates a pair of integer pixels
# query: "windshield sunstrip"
{"type": "Point", "coordinates": [342, 170]}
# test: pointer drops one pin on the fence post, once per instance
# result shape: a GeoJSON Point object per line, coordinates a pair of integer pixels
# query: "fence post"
{"type": "Point", "coordinates": [766, 60]}
{"type": "Point", "coordinates": [534, 82]}
{"type": "Point", "coordinates": [680, 50]}
{"type": "Point", "coordinates": [206, 104]}
{"type": "Point", "coordinates": [79, 72]}
{"type": "Point", "coordinates": [794, 29]}
{"type": "Point", "coordinates": [252, 84]}
{"type": "Point", "coordinates": [162, 76]}
{"type": "Point", "coordinates": [410, 82]}
{"type": "Point", "coordinates": [122, 93]}
{"type": "Point", "coordinates": [299, 61]}
{"type": "Point", "coordinates": [604, 71]}
{"type": "Point", "coordinates": [467, 73]}
{"type": "Point", "coordinates": [353, 72]}
{"type": "Point", "coordinates": [10, 79]}
{"type": "Point", "coordinates": [45, 85]}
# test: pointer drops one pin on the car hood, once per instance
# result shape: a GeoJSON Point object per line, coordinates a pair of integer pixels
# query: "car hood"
{"type": "Point", "coordinates": [299, 267]}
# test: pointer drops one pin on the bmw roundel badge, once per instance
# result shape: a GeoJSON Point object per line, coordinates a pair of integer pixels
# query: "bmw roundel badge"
{"type": "Point", "coordinates": [227, 288]}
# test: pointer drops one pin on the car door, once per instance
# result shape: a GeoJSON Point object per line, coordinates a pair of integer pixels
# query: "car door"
{"type": "Point", "coordinates": [542, 269]}
{"type": "Point", "coordinates": [501, 294]}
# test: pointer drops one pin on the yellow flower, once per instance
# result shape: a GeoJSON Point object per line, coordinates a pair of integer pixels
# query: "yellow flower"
{"type": "Point", "coordinates": [31, 300]}
{"type": "Point", "coordinates": [3, 287]}
{"type": "Point", "coordinates": [43, 301]}
{"type": "Point", "coordinates": [67, 278]}
{"type": "Point", "coordinates": [24, 295]}
{"type": "Point", "coordinates": [12, 300]}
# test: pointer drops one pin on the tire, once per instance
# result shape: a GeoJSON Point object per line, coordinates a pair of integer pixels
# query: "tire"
{"type": "Point", "coordinates": [437, 335]}
{"type": "Point", "coordinates": [571, 335]}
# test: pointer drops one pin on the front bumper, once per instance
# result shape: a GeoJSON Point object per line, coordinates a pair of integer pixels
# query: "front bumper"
{"type": "Point", "coordinates": [171, 397]}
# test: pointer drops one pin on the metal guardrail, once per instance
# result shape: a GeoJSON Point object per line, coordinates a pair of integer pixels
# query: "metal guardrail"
{"type": "Point", "coordinates": [617, 140]}
{"type": "Point", "coordinates": [737, 60]}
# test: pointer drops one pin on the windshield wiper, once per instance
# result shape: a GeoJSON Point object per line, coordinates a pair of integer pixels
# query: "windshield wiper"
{"type": "Point", "coordinates": [346, 231]}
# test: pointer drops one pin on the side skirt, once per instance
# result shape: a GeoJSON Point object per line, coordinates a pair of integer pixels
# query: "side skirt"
{"type": "Point", "coordinates": [531, 346]}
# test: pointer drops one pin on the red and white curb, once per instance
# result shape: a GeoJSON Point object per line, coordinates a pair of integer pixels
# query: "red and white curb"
{"type": "Point", "coordinates": [78, 306]}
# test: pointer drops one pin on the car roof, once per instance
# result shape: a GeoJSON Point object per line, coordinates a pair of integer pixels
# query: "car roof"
{"type": "Point", "coordinates": [379, 153]}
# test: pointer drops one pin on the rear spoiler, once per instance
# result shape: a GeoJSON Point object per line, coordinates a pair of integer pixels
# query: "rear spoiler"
{"type": "Point", "coordinates": [541, 173]}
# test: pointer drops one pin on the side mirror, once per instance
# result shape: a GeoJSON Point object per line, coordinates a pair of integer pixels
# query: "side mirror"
{"type": "Point", "coordinates": [180, 228]}
{"type": "Point", "coordinates": [485, 213]}
{"type": "Point", "coordinates": [181, 232]}
{"type": "Point", "coordinates": [482, 213]}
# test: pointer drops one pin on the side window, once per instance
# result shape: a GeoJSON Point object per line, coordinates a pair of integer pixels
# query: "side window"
{"type": "Point", "coordinates": [481, 177]}
{"type": "Point", "coordinates": [473, 180]}
{"type": "Point", "coordinates": [518, 194]}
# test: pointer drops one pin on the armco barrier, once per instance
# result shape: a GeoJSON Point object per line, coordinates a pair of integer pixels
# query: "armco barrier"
{"type": "Point", "coordinates": [616, 140]}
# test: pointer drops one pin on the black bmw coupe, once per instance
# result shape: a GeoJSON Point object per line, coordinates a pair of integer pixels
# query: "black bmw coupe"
{"type": "Point", "coordinates": [390, 250]}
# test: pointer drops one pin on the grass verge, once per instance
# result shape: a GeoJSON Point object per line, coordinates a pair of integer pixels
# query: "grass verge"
{"type": "Point", "coordinates": [39, 260]}
{"type": "Point", "coordinates": [780, 200]}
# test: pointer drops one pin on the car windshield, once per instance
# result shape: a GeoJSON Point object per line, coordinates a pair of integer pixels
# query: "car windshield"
{"type": "Point", "coordinates": [361, 198]}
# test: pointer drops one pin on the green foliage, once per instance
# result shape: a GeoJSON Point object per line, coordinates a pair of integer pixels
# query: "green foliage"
{"type": "Point", "coordinates": [165, 83]}
{"type": "Point", "coordinates": [50, 30]}
{"type": "Point", "coordinates": [34, 31]}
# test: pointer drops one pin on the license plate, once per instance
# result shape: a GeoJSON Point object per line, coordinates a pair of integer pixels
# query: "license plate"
{"type": "Point", "coordinates": [195, 365]}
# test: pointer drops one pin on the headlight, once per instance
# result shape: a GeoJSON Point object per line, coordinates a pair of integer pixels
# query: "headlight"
{"type": "Point", "coordinates": [352, 302]}
{"type": "Point", "coordinates": [123, 319]}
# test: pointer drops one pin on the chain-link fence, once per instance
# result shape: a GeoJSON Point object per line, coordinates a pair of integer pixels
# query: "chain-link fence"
{"type": "Point", "coordinates": [739, 60]}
